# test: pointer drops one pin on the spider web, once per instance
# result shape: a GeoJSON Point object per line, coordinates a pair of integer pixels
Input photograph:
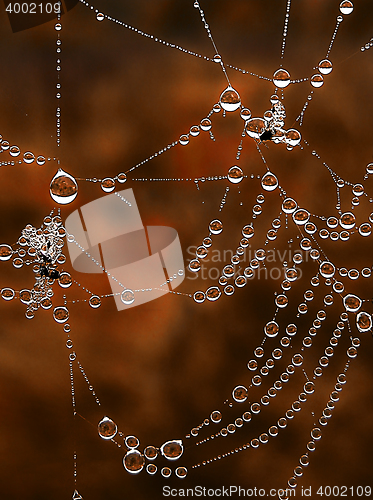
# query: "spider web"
{"type": "Point", "coordinates": [161, 372]}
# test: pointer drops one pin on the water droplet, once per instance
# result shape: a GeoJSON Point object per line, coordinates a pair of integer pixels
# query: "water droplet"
{"type": "Point", "coordinates": [7, 293]}
{"type": "Point", "coordinates": [363, 321]}
{"type": "Point", "coordinates": [151, 469]}
{"type": "Point", "coordinates": [213, 293]}
{"type": "Point", "coordinates": [281, 78]}
{"type": "Point", "coordinates": [239, 394]}
{"type": "Point", "coordinates": [327, 269]}
{"type": "Point", "coordinates": [255, 127]}
{"type": "Point", "coordinates": [271, 329]}
{"type": "Point", "coordinates": [181, 472]}
{"type": "Point", "coordinates": [172, 450]}
{"type": "Point", "coordinates": [317, 80]}
{"type": "Point", "coordinates": [246, 114]}
{"type": "Point", "coordinates": [316, 433]}
{"type": "Point", "coordinates": [347, 220]}
{"type": "Point", "coordinates": [133, 461]}
{"type": "Point", "coordinates": [346, 7]}
{"type": "Point", "coordinates": [269, 182]}
{"type": "Point", "coordinates": [65, 280]}
{"type": "Point", "coordinates": [216, 226]}
{"type": "Point", "coordinates": [28, 157]}
{"type": "Point", "coordinates": [352, 303]}
{"type": "Point", "coordinates": [151, 452]}
{"type": "Point", "coordinates": [77, 495]}
{"type": "Point", "coordinates": [60, 314]}
{"type": "Point", "coordinates": [365, 229]}
{"type": "Point", "coordinates": [301, 216]}
{"type": "Point", "coordinates": [230, 99]}
{"type": "Point", "coordinates": [309, 387]}
{"type": "Point", "coordinates": [235, 174]}
{"type": "Point", "coordinates": [58, 26]}
{"type": "Point", "coordinates": [14, 151]}
{"type": "Point", "coordinates": [325, 67]}
{"type": "Point", "coordinates": [63, 188]}
{"type": "Point", "coordinates": [131, 442]}
{"type": "Point", "coordinates": [108, 185]}
{"type": "Point", "coordinates": [6, 252]}
{"type": "Point", "coordinates": [194, 265]}
{"type": "Point", "coordinates": [127, 297]}
{"type": "Point", "coordinates": [94, 301]}
{"type": "Point", "coordinates": [205, 124]}
{"type": "Point", "coordinates": [199, 297]}
{"type": "Point", "coordinates": [216, 417]}
{"type": "Point", "coordinates": [100, 16]}
{"type": "Point", "coordinates": [107, 429]}
{"type": "Point", "coordinates": [293, 137]}
{"type": "Point", "coordinates": [166, 472]}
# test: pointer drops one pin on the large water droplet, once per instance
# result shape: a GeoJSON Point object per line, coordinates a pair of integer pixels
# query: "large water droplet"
{"type": "Point", "coordinates": [216, 226]}
{"type": "Point", "coordinates": [269, 181]}
{"type": "Point", "coordinates": [239, 394]}
{"type": "Point", "coordinates": [325, 67]}
{"type": "Point", "coordinates": [347, 220]}
{"type": "Point", "coordinates": [255, 127]}
{"type": "Point", "coordinates": [216, 416]}
{"type": "Point", "coordinates": [213, 293]}
{"type": "Point", "coordinates": [346, 7]}
{"type": "Point", "coordinates": [108, 185]}
{"type": "Point", "coordinates": [7, 293]}
{"type": "Point", "coordinates": [352, 302]}
{"type": "Point", "coordinates": [271, 329]}
{"type": "Point", "coordinates": [151, 452]}
{"type": "Point", "coordinates": [293, 137]}
{"type": "Point", "coordinates": [63, 188]}
{"type": "Point", "coordinates": [301, 216]}
{"type": "Point", "coordinates": [5, 252]}
{"type": "Point", "coordinates": [327, 269]}
{"type": "Point", "coordinates": [127, 297]}
{"type": "Point", "coordinates": [172, 450]}
{"type": "Point", "coordinates": [133, 461]}
{"type": "Point", "coordinates": [230, 99]}
{"type": "Point", "coordinates": [107, 429]}
{"type": "Point", "coordinates": [60, 314]}
{"type": "Point", "coordinates": [363, 321]}
{"type": "Point", "coordinates": [181, 472]}
{"type": "Point", "coordinates": [317, 80]}
{"type": "Point", "coordinates": [235, 174]}
{"type": "Point", "coordinates": [281, 78]}
{"type": "Point", "coordinates": [289, 206]}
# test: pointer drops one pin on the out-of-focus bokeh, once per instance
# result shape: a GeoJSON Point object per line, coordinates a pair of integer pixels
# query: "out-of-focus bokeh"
{"type": "Point", "coordinates": [161, 368]}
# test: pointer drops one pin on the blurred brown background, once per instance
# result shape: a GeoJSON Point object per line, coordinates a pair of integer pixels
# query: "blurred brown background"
{"type": "Point", "coordinates": [160, 369]}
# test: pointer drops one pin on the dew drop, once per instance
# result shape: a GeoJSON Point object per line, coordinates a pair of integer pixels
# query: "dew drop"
{"type": "Point", "coordinates": [216, 226]}
{"type": "Point", "coordinates": [6, 252]}
{"type": "Point", "coordinates": [281, 78]}
{"type": "Point", "coordinates": [230, 99]}
{"type": "Point", "coordinates": [107, 429]}
{"type": "Point", "coordinates": [127, 297]}
{"type": "Point", "coordinates": [60, 314]}
{"type": "Point", "coordinates": [346, 7]}
{"type": "Point", "coordinates": [108, 185]}
{"type": "Point", "coordinates": [239, 394]}
{"type": "Point", "coordinates": [63, 188]}
{"type": "Point", "coordinates": [235, 174]}
{"type": "Point", "coordinates": [133, 461]}
{"type": "Point", "coordinates": [94, 301]}
{"type": "Point", "coordinates": [269, 182]}
{"type": "Point", "coordinates": [172, 450]}
{"type": "Point", "coordinates": [317, 80]}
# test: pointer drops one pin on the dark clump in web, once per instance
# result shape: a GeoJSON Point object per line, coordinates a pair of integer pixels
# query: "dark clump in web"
{"type": "Point", "coordinates": [266, 135]}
